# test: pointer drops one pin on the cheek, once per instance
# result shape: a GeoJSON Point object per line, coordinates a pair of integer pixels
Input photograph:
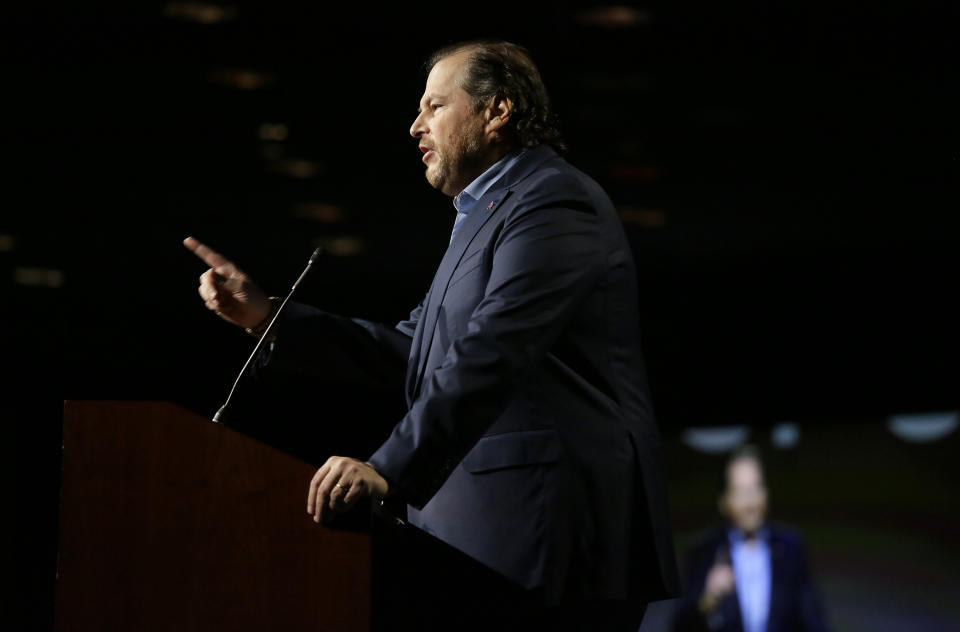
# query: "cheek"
{"type": "Point", "coordinates": [441, 137]}
{"type": "Point", "coordinates": [446, 130]}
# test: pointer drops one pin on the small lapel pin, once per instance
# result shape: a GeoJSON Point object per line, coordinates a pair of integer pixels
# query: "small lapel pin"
{"type": "Point", "coordinates": [490, 206]}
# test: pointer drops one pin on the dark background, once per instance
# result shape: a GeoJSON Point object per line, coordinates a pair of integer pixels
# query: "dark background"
{"type": "Point", "coordinates": [786, 175]}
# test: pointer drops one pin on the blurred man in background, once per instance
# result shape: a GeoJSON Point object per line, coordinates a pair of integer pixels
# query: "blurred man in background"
{"type": "Point", "coordinates": [749, 575]}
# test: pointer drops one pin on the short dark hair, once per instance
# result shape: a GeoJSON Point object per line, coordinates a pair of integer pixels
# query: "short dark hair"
{"type": "Point", "coordinates": [746, 452]}
{"type": "Point", "coordinates": [504, 68]}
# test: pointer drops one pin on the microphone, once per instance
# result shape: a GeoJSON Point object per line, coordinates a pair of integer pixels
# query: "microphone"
{"type": "Point", "coordinates": [218, 418]}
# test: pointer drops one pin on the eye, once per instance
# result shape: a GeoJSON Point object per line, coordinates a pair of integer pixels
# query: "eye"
{"type": "Point", "coordinates": [436, 106]}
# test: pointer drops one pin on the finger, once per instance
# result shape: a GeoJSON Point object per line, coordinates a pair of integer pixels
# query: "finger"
{"type": "Point", "coordinates": [211, 284]}
{"type": "Point", "coordinates": [314, 487]}
{"type": "Point", "coordinates": [210, 256]}
{"type": "Point", "coordinates": [342, 488]}
{"type": "Point", "coordinates": [356, 491]}
{"type": "Point", "coordinates": [208, 297]}
{"type": "Point", "coordinates": [327, 487]}
{"type": "Point", "coordinates": [324, 487]}
{"type": "Point", "coordinates": [208, 293]}
{"type": "Point", "coordinates": [211, 278]}
{"type": "Point", "coordinates": [214, 297]}
{"type": "Point", "coordinates": [353, 483]}
{"type": "Point", "coordinates": [341, 485]}
{"type": "Point", "coordinates": [219, 279]}
{"type": "Point", "coordinates": [324, 499]}
{"type": "Point", "coordinates": [336, 495]}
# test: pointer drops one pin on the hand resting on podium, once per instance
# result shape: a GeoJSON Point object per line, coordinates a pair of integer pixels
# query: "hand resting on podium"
{"type": "Point", "coordinates": [339, 484]}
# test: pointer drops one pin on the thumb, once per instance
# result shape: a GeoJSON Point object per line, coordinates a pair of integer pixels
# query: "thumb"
{"type": "Point", "coordinates": [229, 271]}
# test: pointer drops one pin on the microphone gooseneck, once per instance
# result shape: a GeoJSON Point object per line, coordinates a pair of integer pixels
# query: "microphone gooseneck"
{"type": "Point", "coordinates": [218, 418]}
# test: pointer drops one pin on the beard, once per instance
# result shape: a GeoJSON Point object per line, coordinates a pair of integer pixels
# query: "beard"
{"type": "Point", "coordinates": [457, 165]}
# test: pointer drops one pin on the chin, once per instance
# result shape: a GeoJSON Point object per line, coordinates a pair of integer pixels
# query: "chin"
{"type": "Point", "coordinates": [435, 179]}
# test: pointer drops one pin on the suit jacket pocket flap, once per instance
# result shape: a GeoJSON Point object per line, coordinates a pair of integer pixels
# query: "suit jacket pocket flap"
{"type": "Point", "coordinates": [512, 449]}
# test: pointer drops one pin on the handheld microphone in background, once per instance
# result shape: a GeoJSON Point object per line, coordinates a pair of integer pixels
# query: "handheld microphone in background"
{"type": "Point", "coordinates": [218, 418]}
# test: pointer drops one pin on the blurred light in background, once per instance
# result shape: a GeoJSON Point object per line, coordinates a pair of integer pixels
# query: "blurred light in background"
{"type": "Point", "coordinates": [38, 277]}
{"type": "Point", "coordinates": [646, 217]}
{"type": "Point", "coordinates": [273, 131]}
{"type": "Point", "coordinates": [241, 79]}
{"type": "Point", "coordinates": [326, 213]}
{"type": "Point", "coordinates": [923, 427]}
{"type": "Point", "coordinates": [199, 12]}
{"type": "Point", "coordinates": [297, 168]}
{"type": "Point", "coordinates": [6, 243]}
{"type": "Point", "coordinates": [785, 436]}
{"type": "Point", "coordinates": [716, 439]}
{"type": "Point", "coordinates": [614, 17]}
{"type": "Point", "coordinates": [342, 246]}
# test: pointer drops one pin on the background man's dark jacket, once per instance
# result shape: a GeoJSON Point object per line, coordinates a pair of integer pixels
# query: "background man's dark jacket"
{"type": "Point", "coordinates": [794, 602]}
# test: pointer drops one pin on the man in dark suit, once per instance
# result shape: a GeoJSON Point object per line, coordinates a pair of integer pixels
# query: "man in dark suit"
{"type": "Point", "coordinates": [529, 441]}
{"type": "Point", "coordinates": [750, 576]}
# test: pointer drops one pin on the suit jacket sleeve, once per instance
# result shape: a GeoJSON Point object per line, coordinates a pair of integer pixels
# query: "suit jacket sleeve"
{"type": "Point", "coordinates": [327, 346]}
{"type": "Point", "coordinates": [547, 258]}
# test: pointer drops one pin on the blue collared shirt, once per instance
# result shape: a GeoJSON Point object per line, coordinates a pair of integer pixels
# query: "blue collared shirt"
{"type": "Point", "coordinates": [465, 200]}
{"type": "Point", "coordinates": [753, 573]}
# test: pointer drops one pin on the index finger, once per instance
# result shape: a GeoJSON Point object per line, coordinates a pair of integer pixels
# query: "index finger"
{"type": "Point", "coordinates": [211, 257]}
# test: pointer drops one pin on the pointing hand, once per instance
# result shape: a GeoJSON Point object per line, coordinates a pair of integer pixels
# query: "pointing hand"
{"type": "Point", "coordinates": [227, 291]}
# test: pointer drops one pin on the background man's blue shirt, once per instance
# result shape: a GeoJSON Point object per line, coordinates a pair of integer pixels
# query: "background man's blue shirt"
{"type": "Point", "coordinates": [751, 568]}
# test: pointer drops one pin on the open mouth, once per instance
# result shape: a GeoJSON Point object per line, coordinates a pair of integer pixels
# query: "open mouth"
{"type": "Point", "coordinates": [427, 152]}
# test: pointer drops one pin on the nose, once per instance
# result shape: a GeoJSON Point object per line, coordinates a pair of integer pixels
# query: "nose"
{"type": "Point", "coordinates": [419, 127]}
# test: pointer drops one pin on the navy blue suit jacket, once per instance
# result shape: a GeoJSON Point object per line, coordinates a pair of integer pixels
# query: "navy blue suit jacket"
{"type": "Point", "coordinates": [794, 602]}
{"type": "Point", "coordinates": [529, 443]}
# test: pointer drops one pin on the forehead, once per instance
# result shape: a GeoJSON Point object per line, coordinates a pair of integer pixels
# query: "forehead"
{"type": "Point", "coordinates": [743, 472]}
{"type": "Point", "coordinates": [444, 76]}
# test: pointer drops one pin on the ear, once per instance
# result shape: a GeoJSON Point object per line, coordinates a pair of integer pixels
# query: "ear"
{"type": "Point", "coordinates": [497, 113]}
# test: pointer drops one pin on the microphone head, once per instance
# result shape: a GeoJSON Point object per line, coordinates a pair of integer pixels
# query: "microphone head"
{"type": "Point", "coordinates": [316, 255]}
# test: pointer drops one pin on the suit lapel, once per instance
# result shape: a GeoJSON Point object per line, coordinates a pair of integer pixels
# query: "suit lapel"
{"type": "Point", "coordinates": [776, 580]}
{"type": "Point", "coordinates": [730, 606]}
{"type": "Point", "coordinates": [484, 209]}
{"type": "Point", "coordinates": [731, 611]}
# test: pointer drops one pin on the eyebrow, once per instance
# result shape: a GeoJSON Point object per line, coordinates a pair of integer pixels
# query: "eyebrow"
{"type": "Point", "coordinates": [428, 99]}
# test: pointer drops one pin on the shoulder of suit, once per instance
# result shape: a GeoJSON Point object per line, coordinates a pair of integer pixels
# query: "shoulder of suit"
{"type": "Point", "coordinates": [786, 535]}
{"type": "Point", "coordinates": [557, 183]}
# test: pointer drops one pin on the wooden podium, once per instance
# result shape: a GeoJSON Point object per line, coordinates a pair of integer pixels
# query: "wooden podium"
{"type": "Point", "coordinates": [171, 522]}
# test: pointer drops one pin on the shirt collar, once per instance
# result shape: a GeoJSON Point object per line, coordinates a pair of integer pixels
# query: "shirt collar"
{"type": "Point", "coordinates": [482, 184]}
{"type": "Point", "coordinates": [738, 536]}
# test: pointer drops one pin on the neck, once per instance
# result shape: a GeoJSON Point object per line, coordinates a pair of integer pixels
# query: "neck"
{"type": "Point", "coordinates": [492, 156]}
{"type": "Point", "coordinates": [496, 153]}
